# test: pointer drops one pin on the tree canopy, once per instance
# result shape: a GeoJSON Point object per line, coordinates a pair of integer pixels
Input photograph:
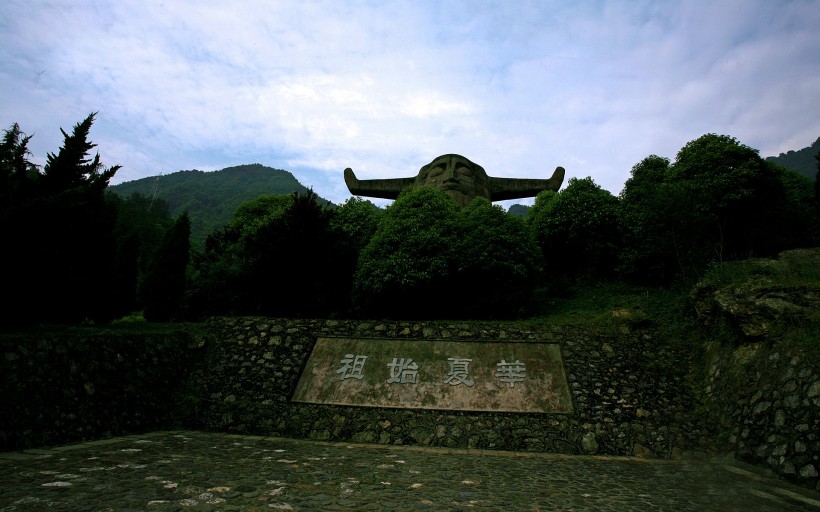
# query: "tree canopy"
{"type": "Point", "coordinates": [430, 259]}
{"type": "Point", "coordinates": [59, 232]}
{"type": "Point", "coordinates": [717, 201]}
{"type": "Point", "coordinates": [577, 230]}
{"type": "Point", "coordinates": [77, 253]}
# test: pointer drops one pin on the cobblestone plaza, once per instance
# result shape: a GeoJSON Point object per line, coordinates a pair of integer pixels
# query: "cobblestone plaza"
{"type": "Point", "coordinates": [186, 470]}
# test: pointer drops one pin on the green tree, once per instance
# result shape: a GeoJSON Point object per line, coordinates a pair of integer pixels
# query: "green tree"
{"type": "Point", "coordinates": [647, 222]}
{"type": "Point", "coordinates": [430, 259]}
{"type": "Point", "coordinates": [358, 220]}
{"type": "Point", "coordinates": [144, 219]}
{"type": "Point", "coordinates": [164, 287]}
{"type": "Point", "coordinates": [220, 271]}
{"type": "Point", "coordinates": [498, 262]}
{"type": "Point", "coordinates": [406, 267]}
{"type": "Point", "coordinates": [729, 186]}
{"type": "Point", "coordinates": [577, 230]}
{"type": "Point", "coordinates": [718, 201]}
{"type": "Point", "coordinates": [278, 256]}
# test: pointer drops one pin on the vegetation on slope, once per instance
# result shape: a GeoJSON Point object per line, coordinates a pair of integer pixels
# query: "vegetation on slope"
{"type": "Point", "coordinates": [211, 198]}
{"type": "Point", "coordinates": [801, 161]}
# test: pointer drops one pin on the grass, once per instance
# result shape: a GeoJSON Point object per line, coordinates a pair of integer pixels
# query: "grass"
{"type": "Point", "coordinates": [793, 268]}
{"type": "Point", "coordinates": [610, 305]}
{"type": "Point", "coordinates": [133, 323]}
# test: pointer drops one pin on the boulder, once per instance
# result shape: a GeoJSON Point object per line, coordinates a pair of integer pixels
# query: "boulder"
{"type": "Point", "coordinates": [759, 296]}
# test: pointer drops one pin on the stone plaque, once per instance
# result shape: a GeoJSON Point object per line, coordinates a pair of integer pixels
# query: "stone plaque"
{"type": "Point", "coordinates": [428, 374]}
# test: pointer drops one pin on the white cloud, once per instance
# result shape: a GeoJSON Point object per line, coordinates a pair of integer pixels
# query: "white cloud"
{"type": "Point", "coordinates": [315, 87]}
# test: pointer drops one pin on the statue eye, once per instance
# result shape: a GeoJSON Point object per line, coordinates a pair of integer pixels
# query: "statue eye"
{"type": "Point", "coordinates": [436, 171]}
{"type": "Point", "coordinates": [464, 171]}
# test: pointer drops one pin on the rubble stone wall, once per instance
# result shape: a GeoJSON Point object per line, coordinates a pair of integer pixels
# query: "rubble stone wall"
{"type": "Point", "coordinates": [764, 400]}
{"type": "Point", "coordinates": [626, 400]}
{"type": "Point", "coordinates": [59, 389]}
{"type": "Point", "coordinates": [630, 395]}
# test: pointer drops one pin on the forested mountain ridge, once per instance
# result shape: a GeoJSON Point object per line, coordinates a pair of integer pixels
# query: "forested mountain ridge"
{"type": "Point", "coordinates": [801, 161]}
{"type": "Point", "coordinates": [211, 198]}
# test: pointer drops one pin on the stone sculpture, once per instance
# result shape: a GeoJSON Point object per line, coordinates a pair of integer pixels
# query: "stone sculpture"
{"type": "Point", "coordinates": [460, 178]}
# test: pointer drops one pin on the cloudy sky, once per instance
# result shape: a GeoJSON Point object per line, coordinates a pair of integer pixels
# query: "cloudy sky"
{"type": "Point", "coordinates": [383, 87]}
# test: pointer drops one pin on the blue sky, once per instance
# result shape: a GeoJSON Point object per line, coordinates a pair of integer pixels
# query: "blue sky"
{"type": "Point", "coordinates": [384, 87]}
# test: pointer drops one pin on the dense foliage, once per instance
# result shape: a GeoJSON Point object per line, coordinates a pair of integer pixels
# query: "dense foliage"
{"type": "Point", "coordinates": [281, 256]}
{"type": "Point", "coordinates": [411, 258]}
{"type": "Point", "coordinates": [499, 264]}
{"type": "Point", "coordinates": [60, 251]}
{"type": "Point", "coordinates": [164, 287]}
{"type": "Point", "coordinates": [72, 253]}
{"type": "Point", "coordinates": [211, 198]}
{"type": "Point", "coordinates": [429, 259]}
{"type": "Point", "coordinates": [718, 201]}
{"type": "Point", "coordinates": [801, 161]}
{"type": "Point", "coordinates": [577, 230]}
{"type": "Point", "coordinates": [77, 253]}
{"type": "Point", "coordinates": [141, 222]}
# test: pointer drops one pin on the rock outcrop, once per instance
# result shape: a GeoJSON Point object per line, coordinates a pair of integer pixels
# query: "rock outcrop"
{"type": "Point", "coordinates": [756, 302]}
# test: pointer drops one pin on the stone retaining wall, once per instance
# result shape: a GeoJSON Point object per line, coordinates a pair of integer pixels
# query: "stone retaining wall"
{"type": "Point", "coordinates": [630, 394]}
{"type": "Point", "coordinates": [58, 389]}
{"type": "Point", "coordinates": [626, 401]}
{"type": "Point", "coordinates": [764, 401]}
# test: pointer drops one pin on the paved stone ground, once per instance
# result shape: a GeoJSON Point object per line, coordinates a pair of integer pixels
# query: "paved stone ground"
{"type": "Point", "coordinates": [205, 471]}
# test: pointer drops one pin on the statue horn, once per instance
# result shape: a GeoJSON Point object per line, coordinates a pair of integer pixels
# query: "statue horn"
{"type": "Point", "coordinates": [383, 188]}
{"type": "Point", "coordinates": [502, 189]}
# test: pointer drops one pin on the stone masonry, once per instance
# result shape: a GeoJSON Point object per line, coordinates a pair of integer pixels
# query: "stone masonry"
{"type": "Point", "coordinates": [625, 401]}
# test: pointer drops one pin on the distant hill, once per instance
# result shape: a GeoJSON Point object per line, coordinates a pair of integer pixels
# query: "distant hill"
{"type": "Point", "coordinates": [211, 198]}
{"type": "Point", "coordinates": [519, 210]}
{"type": "Point", "coordinates": [801, 161]}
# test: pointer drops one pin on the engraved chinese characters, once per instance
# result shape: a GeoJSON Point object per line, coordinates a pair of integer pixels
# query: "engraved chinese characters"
{"type": "Point", "coordinates": [458, 371]}
{"type": "Point", "coordinates": [352, 367]}
{"type": "Point", "coordinates": [405, 370]}
{"type": "Point", "coordinates": [453, 375]}
{"type": "Point", "coordinates": [511, 372]}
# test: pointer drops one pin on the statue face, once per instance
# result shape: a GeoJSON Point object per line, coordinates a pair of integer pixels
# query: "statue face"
{"type": "Point", "coordinates": [460, 178]}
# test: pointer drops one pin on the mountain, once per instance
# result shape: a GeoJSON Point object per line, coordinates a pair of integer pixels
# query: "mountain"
{"type": "Point", "coordinates": [519, 210]}
{"type": "Point", "coordinates": [211, 198]}
{"type": "Point", "coordinates": [801, 161]}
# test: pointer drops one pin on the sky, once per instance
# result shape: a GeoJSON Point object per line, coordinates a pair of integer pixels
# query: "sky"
{"type": "Point", "coordinates": [384, 87]}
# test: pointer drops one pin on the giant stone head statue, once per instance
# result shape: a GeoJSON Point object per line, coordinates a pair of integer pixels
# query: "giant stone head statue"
{"type": "Point", "coordinates": [460, 178]}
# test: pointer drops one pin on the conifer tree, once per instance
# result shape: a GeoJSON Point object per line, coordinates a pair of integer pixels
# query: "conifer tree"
{"type": "Point", "coordinates": [58, 265]}
{"type": "Point", "coordinates": [164, 287]}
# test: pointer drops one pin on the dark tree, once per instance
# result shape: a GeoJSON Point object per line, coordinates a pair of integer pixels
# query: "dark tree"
{"type": "Point", "coordinates": [408, 267]}
{"type": "Point", "coordinates": [577, 230]}
{"type": "Point", "coordinates": [718, 201]}
{"type": "Point", "coordinates": [163, 290]}
{"type": "Point", "coordinates": [144, 219]}
{"type": "Point", "coordinates": [18, 176]}
{"type": "Point", "coordinates": [279, 256]}
{"type": "Point", "coordinates": [298, 265]}
{"type": "Point", "coordinates": [648, 223]}
{"type": "Point", "coordinates": [60, 261]}
{"type": "Point", "coordinates": [498, 263]}
{"type": "Point", "coordinates": [817, 190]}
